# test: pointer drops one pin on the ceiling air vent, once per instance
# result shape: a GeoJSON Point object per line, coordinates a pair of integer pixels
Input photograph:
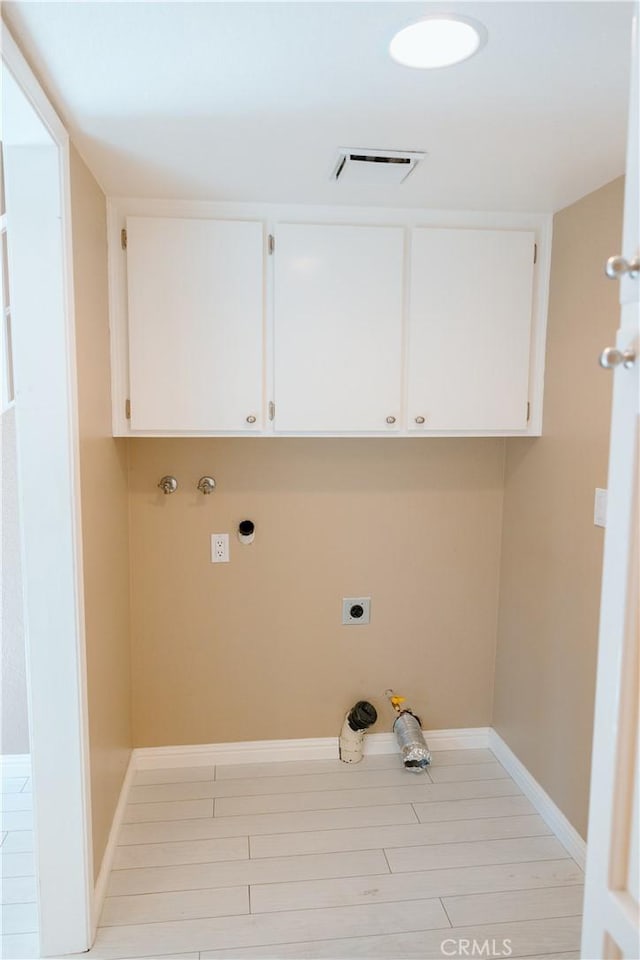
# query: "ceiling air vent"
{"type": "Point", "coordinates": [374, 167]}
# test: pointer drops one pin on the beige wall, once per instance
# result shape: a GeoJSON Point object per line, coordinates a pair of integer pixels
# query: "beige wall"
{"type": "Point", "coordinates": [551, 551]}
{"type": "Point", "coordinates": [255, 649]}
{"type": "Point", "coordinates": [103, 471]}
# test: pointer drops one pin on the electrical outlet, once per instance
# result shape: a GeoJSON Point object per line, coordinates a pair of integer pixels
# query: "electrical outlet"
{"type": "Point", "coordinates": [219, 548]}
{"type": "Point", "coordinates": [356, 610]}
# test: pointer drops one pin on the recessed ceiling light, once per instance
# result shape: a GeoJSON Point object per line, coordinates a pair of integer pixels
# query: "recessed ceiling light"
{"type": "Point", "coordinates": [437, 41]}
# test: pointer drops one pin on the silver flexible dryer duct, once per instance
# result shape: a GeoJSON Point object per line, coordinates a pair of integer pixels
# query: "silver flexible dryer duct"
{"type": "Point", "coordinates": [408, 730]}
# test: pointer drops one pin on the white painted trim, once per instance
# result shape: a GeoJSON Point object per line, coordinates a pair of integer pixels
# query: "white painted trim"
{"type": "Point", "coordinates": [320, 748]}
{"type": "Point", "coordinates": [26, 80]}
{"type": "Point", "coordinates": [119, 208]}
{"type": "Point", "coordinates": [54, 606]}
{"type": "Point", "coordinates": [100, 889]}
{"type": "Point", "coordinates": [15, 764]}
{"type": "Point", "coordinates": [548, 810]}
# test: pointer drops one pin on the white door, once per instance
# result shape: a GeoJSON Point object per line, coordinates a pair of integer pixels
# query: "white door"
{"type": "Point", "coordinates": [611, 927]}
{"type": "Point", "coordinates": [338, 328]}
{"type": "Point", "coordinates": [196, 317]}
{"type": "Point", "coordinates": [470, 329]}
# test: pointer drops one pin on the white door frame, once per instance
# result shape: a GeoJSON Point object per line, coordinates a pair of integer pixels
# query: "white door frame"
{"type": "Point", "coordinates": [611, 925]}
{"type": "Point", "coordinates": [51, 545]}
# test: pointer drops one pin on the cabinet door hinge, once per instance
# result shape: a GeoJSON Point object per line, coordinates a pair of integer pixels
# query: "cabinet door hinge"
{"type": "Point", "coordinates": [271, 244]}
{"type": "Point", "coordinates": [123, 238]}
{"type": "Point", "coordinates": [127, 409]}
{"type": "Point", "coordinates": [528, 411]}
{"type": "Point", "coordinates": [272, 410]}
{"type": "Point", "coordinates": [535, 253]}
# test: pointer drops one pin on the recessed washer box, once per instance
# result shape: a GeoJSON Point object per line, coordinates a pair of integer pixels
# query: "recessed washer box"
{"type": "Point", "coordinates": [356, 610]}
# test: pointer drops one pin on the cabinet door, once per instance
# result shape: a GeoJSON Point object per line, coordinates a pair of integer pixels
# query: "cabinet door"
{"type": "Point", "coordinates": [470, 328]}
{"type": "Point", "coordinates": [338, 328]}
{"type": "Point", "coordinates": [196, 301]}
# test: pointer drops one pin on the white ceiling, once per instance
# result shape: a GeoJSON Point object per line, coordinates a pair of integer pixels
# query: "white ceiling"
{"type": "Point", "coordinates": [250, 101]}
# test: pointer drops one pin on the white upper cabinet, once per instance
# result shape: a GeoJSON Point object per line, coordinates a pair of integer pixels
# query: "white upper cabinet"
{"type": "Point", "coordinates": [338, 322]}
{"type": "Point", "coordinates": [470, 330]}
{"type": "Point", "coordinates": [195, 291]}
{"type": "Point", "coordinates": [393, 323]}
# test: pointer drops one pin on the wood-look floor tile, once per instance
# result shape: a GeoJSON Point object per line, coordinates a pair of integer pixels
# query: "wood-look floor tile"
{"type": "Point", "coordinates": [543, 937]}
{"type": "Point", "coordinates": [468, 771]}
{"type": "Point", "coordinates": [415, 791]}
{"type": "Point", "coordinates": [514, 905]}
{"type": "Point", "coordinates": [298, 768]}
{"type": "Point", "coordinates": [473, 809]}
{"type": "Point", "coordinates": [21, 769]}
{"type": "Point", "coordinates": [262, 786]}
{"type": "Point", "coordinates": [19, 918]}
{"type": "Point", "coordinates": [17, 864]}
{"type": "Point", "coordinates": [173, 810]}
{"type": "Point", "coordinates": [388, 761]}
{"type": "Point", "coordinates": [267, 823]}
{"type": "Point", "coordinates": [463, 836]}
{"type": "Point", "coordinates": [368, 838]}
{"type": "Point", "coordinates": [18, 841]}
{"type": "Point", "coordinates": [482, 852]}
{"type": "Point", "coordinates": [176, 905]}
{"type": "Point", "coordinates": [197, 876]}
{"type": "Point", "coordinates": [572, 955]}
{"type": "Point", "coordinates": [181, 851]}
{"type": "Point", "coordinates": [13, 784]}
{"type": "Point", "coordinates": [166, 956]}
{"type": "Point", "coordinates": [20, 946]}
{"type": "Point", "coordinates": [16, 820]}
{"type": "Point", "coordinates": [423, 885]}
{"type": "Point", "coordinates": [16, 801]}
{"type": "Point", "coordinates": [292, 926]}
{"type": "Point", "coordinates": [447, 758]}
{"type": "Point", "coordinates": [174, 774]}
{"type": "Point", "coordinates": [19, 890]}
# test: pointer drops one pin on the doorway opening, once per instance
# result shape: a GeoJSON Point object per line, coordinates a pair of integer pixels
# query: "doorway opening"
{"type": "Point", "coordinates": [39, 390]}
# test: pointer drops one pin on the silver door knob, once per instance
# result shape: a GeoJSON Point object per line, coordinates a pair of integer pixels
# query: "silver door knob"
{"type": "Point", "coordinates": [206, 485]}
{"type": "Point", "coordinates": [419, 419]}
{"type": "Point", "coordinates": [251, 418]}
{"type": "Point", "coordinates": [168, 485]}
{"type": "Point", "coordinates": [612, 358]}
{"type": "Point", "coordinates": [618, 267]}
{"type": "Point", "coordinates": [391, 420]}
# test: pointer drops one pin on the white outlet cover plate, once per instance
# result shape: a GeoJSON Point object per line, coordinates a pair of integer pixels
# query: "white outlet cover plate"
{"type": "Point", "coordinates": [219, 548]}
{"type": "Point", "coordinates": [600, 508]}
{"type": "Point", "coordinates": [348, 603]}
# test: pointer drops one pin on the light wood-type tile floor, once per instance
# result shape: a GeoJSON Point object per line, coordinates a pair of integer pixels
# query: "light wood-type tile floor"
{"type": "Point", "coordinates": [19, 909]}
{"type": "Point", "coordinates": [319, 859]}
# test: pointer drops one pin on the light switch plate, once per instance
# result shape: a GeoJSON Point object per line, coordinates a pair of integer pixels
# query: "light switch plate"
{"type": "Point", "coordinates": [600, 508]}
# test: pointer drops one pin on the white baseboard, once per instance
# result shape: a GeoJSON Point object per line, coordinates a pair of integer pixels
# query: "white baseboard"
{"type": "Point", "coordinates": [320, 748]}
{"type": "Point", "coordinates": [15, 764]}
{"type": "Point", "coordinates": [100, 888]}
{"type": "Point", "coordinates": [548, 810]}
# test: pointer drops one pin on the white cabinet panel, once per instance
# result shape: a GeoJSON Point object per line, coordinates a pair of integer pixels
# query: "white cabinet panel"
{"type": "Point", "coordinates": [470, 329]}
{"type": "Point", "coordinates": [338, 328]}
{"type": "Point", "coordinates": [196, 308]}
